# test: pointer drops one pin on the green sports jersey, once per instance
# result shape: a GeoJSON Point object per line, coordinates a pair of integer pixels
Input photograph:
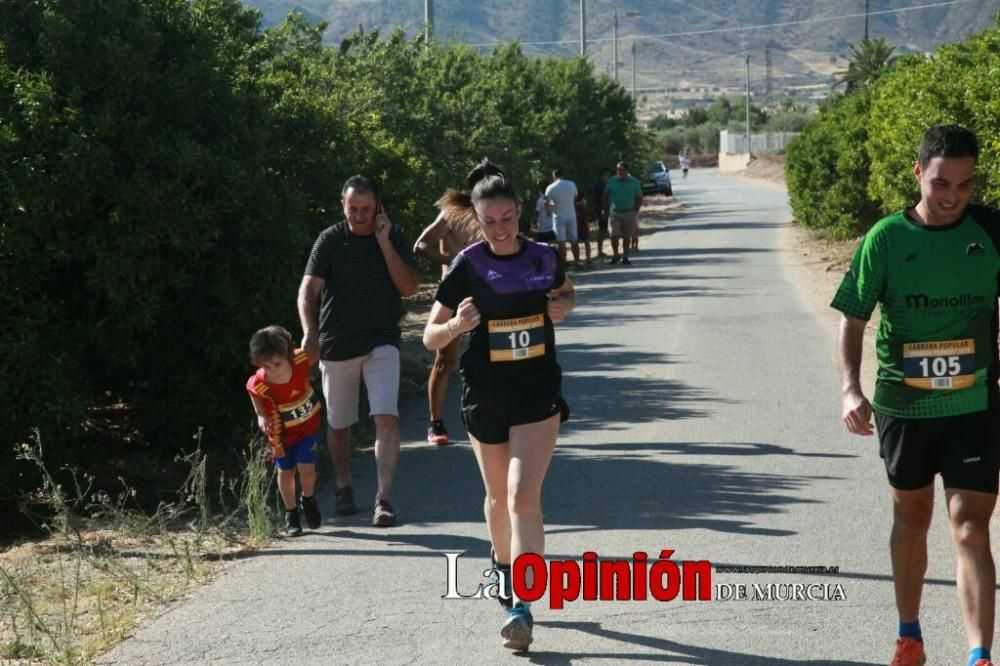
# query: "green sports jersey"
{"type": "Point", "coordinates": [937, 288]}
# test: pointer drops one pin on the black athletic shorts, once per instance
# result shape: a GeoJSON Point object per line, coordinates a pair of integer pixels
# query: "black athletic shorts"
{"type": "Point", "coordinates": [488, 416]}
{"type": "Point", "coordinates": [602, 223]}
{"type": "Point", "coordinates": [546, 237]}
{"type": "Point", "coordinates": [962, 449]}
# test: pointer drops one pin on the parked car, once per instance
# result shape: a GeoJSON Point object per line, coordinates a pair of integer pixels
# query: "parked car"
{"type": "Point", "coordinates": [658, 180]}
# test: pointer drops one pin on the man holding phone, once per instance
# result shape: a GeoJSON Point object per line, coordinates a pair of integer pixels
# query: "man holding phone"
{"type": "Point", "coordinates": [350, 304]}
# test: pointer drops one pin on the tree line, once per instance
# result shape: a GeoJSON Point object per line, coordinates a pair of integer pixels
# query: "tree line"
{"type": "Point", "coordinates": [165, 166]}
{"type": "Point", "coordinates": [852, 164]}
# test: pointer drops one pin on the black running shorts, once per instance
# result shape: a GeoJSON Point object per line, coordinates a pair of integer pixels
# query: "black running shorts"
{"type": "Point", "coordinates": [488, 416]}
{"type": "Point", "coordinates": [962, 449]}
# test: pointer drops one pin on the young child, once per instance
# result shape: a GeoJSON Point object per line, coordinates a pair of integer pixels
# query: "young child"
{"type": "Point", "coordinates": [288, 412]}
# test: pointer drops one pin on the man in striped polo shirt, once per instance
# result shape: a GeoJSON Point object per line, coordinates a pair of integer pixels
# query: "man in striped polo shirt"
{"type": "Point", "coordinates": [357, 274]}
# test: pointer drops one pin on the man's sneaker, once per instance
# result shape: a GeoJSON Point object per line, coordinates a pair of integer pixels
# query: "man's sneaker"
{"type": "Point", "coordinates": [516, 631]}
{"type": "Point", "coordinates": [310, 508]}
{"type": "Point", "coordinates": [909, 652]}
{"type": "Point", "coordinates": [345, 505]}
{"type": "Point", "coordinates": [626, 262]}
{"type": "Point", "coordinates": [614, 259]}
{"type": "Point", "coordinates": [384, 515]}
{"type": "Point", "coordinates": [984, 662]}
{"type": "Point", "coordinates": [436, 433]}
{"type": "Point", "coordinates": [293, 522]}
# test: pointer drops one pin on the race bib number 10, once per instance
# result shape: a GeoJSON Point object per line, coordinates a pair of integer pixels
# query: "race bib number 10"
{"type": "Point", "coordinates": [942, 365]}
{"type": "Point", "coordinates": [517, 339]}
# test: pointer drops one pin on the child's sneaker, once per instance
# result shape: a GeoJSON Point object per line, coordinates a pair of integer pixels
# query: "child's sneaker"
{"type": "Point", "coordinates": [293, 522]}
{"type": "Point", "coordinates": [436, 433]}
{"type": "Point", "coordinates": [310, 508]}
{"type": "Point", "coordinates": [516, 631]}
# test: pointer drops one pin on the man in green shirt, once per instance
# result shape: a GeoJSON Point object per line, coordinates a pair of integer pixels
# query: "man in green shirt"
{"type": "Point", "coordinates": [623, 199]}
{"type": "Point", "coordinates": [934, 271]}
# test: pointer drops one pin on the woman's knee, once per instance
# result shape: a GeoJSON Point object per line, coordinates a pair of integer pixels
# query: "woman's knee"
{"type": "Point", "coordinates": [523, 501]}
{"type": "Point", "coordinates": [446, 360]}
{"type": "Point", "coordinates": [496, 500]}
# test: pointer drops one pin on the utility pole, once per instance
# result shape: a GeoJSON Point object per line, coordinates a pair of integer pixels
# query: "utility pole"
{"type": "Point", "coordinates": [583, 27]}
{"type": "Point", "coordinates": [429, 18]}
{"type": "Point", "coordinates": [768, 108]}
{"type": "Point", "coordinates": [614, 42]}
{"type": "Point", "coordinates": [749, 151]}
{"type": "Point", "coordinates": [868, 6]}
{"type": "Point", "coordinates": [633, 71]}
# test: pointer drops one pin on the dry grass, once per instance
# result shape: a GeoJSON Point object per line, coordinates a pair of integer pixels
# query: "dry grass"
{"type": "Point", "coordinates": [68, 603]}
{"type": "Point", "coordinates": [105, 568]}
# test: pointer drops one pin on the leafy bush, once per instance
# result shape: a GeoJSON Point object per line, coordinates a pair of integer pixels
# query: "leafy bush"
{"type": "Point", "coordinates": [853, 163]}
{"type": "Point", "coordinates": [957, 85]}
{"type": "Point", "coordinates": [826, 169]}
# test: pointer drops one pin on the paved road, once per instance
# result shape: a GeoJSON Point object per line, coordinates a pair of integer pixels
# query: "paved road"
{"type": "Point", "coordinates": [704, 421]}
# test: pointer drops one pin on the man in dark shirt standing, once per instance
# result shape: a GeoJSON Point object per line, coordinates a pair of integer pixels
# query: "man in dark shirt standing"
{"type": "Point", "coordinates": [357, 274]}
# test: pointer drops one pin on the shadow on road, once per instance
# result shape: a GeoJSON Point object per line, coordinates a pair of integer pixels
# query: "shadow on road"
{"type": "Point", "coordinates": [708, 449]}
{"type": "Point", "coordinates": [668, 651]}
{"type": "Point", "coordinates": [715, 225]}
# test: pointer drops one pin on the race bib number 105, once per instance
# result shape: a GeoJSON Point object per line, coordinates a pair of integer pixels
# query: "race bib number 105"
{"type": "Point", "coordinates": [942, 365]}
{"type": "Point", "coordinates": [517, 339]}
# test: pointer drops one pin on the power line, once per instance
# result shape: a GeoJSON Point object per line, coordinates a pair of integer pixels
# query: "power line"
{"type": "Point", "coordinates": [745, 28]}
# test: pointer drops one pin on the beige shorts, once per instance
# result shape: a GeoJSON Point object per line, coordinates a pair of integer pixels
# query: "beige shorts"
{"type": "Point", "coordinates": [342, 385]}
{"type": "Point", "coordinates": [624, 223]}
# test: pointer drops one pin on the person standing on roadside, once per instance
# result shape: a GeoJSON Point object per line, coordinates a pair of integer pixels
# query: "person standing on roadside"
{"type": "Point", "coordinates": [562, 193]}
{"type": "Point", "coordinates": [622, 200]}
{"type": "Point", "coordinates": [933, 269]}
{"type": "Point", "coordinates": [350, 304]}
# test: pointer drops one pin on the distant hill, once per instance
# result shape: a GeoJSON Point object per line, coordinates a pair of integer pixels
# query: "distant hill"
{"type": "Point", "coordinates": [682, 67]}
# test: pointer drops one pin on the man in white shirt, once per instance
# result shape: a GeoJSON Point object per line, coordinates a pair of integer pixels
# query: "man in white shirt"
{"type": "Point", "coordinates": [561, 196]}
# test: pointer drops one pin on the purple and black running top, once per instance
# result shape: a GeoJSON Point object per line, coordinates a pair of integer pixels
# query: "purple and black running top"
{"type": "Point", "coordinates": [515, 341]}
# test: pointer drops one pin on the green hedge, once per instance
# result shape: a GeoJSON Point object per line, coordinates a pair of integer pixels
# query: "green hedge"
{"type": "Point", "coordinates": [959, 84]}
{"type": "Point", "coordinates": [826, 169]}
{"type": "Point", "coordinates": [853, 163]}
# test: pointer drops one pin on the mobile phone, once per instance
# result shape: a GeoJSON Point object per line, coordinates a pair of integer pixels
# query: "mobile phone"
{"type": "Point", "coordinates": [379, 211]}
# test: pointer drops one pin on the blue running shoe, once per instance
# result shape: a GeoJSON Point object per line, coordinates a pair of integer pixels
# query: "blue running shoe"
{"type": "Point", "coordinates": [516, 631]}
